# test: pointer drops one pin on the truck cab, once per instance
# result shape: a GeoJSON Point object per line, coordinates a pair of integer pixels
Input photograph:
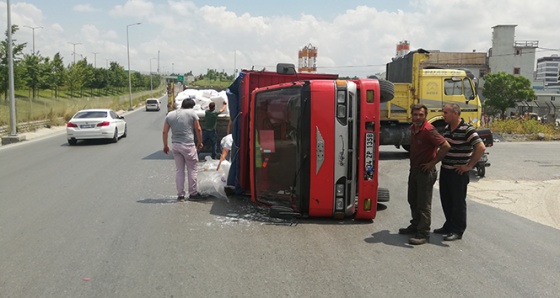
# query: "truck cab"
{"type": "Point", "coordinates": [313, 145]}
{"type": "Point", "coordinates": [433, 87]}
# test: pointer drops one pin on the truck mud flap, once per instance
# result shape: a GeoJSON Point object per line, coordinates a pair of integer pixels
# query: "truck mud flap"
{"type": "Point", "coordinates": [383, 195]}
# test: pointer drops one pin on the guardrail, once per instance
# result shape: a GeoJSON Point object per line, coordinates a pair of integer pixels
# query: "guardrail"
{"type": "Point", "coordinates": [25, 126]}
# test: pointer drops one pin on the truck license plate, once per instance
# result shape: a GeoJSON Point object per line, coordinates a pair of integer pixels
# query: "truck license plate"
{"type": "Point", "coordinates": [370, 143]}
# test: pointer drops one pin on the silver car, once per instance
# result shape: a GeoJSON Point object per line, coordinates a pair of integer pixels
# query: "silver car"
{"type": "Point", "coordinates": [152, 104]}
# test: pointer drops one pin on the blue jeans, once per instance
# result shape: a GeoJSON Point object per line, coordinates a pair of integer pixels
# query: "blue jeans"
{"type": "Point", "coordinates": [210, 135]}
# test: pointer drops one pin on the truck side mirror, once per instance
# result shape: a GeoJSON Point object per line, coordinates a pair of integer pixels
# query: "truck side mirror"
{"type": "Point", "coordinates": [285, 68]}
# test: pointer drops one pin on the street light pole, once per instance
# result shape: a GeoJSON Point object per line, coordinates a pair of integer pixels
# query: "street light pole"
{"type": "Point", "coordinates": [74, 53]}
{"type": "Point", "coordinates": [33, 28]}
{"type": "Point", "coordinates": [95, 59]}
{"type": "Point", "coordinates": [13, 122]}
{"type": "Point", "coordinates": [151, 80]}
{"type": "Point", "coordinates": [128, 58]}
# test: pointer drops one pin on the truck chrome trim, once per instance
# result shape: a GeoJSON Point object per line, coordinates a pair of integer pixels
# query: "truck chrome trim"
{"type": "Point", "coordinates": [319, 149]}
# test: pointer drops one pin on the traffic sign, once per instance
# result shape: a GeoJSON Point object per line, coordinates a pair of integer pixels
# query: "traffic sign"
{"type": "Point", "coordinates": [180, 78]}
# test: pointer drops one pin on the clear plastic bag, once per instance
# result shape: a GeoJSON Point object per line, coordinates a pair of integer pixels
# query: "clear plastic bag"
{"type": "Point", "coordinates": [210, 181]}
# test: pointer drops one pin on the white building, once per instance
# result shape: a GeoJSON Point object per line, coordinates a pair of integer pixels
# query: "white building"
{"type": "Point", "coordinates": [511, 56]}
{"type": "Point", "coordinates": [548, 69]}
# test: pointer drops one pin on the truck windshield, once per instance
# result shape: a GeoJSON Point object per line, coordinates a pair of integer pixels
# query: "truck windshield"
{"type": "Point", "coordinates": [276, 139]}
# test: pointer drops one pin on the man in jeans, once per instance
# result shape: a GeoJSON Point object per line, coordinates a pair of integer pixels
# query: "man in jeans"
{"type": "Point", "coordinates": [427, 148]}
{"type": "Point", "coordinates": [183, 124]}
{"type": "Point", "coordinates": [209, 129]}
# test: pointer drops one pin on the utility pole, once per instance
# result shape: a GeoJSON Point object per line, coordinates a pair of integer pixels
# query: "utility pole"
{"type": "Point", "coordinates": [74, 52]}
{"type": "Point", "coordinates": [95, 59]}
{"type": "Point", "coordinates": [151, 79]}
{"type": "Point", "coordinates": [128, 58]}
{"type": "Point", "coordinates": [13, 137]}
{"type": "Point", "coordinates": [33, 28]}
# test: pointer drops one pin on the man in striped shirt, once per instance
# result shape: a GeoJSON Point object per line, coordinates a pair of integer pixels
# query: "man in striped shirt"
{"type": "Point", "coordinates": [466, 149]}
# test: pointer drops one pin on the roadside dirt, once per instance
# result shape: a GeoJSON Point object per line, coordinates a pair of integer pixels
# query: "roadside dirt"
{"type": "Point", "coordinates": [538, 201]}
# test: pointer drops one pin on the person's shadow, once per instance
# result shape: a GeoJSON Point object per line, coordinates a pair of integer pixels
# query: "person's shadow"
{"type": "Point", "coordinates": [386, 237]}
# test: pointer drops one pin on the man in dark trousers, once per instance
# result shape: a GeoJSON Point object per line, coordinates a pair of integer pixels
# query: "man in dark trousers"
{"type": "Point", "coordinates": [466, 149]}
{"type": "Point", "coordinates": [209, 127]}
{"type": "Point", "coordinates": [427, 148]}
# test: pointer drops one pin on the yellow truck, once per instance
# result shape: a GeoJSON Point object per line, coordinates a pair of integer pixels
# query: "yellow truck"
{"type": "Point", "coordinates": [433, 87]}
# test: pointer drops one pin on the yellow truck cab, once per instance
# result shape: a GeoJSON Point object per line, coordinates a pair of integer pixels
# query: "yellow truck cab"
{"type": "Point", "coordinates": [432, 87]}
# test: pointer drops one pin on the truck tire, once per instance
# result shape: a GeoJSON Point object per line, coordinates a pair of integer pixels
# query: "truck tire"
{"type": "Point", "coordinates": [387, 90]}
{"type": "Point", "coordinates": [440, 126]}
{"type": "Point", "coordinates": [383, 195]}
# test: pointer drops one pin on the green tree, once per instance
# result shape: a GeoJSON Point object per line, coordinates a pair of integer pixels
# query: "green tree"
{"type": "Point", "coordinates": [79, 74]}
{"type": "Point", "coordinates": [504, 91]}
{"type": "Point", "coordinates": [34, 72]}
{"type": "Point", "coordinates": [57, 74]}
{"type": "Point", "coordinates": [17, 51]}
{"type": "Point", "coordinates": [117, 76]}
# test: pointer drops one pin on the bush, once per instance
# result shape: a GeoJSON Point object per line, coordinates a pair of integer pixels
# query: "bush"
{"type": "Point", "coordinates": [525, 127]}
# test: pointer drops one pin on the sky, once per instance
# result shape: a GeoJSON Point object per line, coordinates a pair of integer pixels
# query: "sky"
{"type": "Point", "coordinates": [352, 37]}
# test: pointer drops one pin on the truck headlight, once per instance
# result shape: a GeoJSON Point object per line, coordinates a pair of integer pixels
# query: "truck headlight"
{"type": "Point", "coordinates": [341, 96]}
{"type": "Point", "coordinates": [340, 190]}
{"type": "Point", "coordinates": [339, 204]}
{"type": "Point", "coordinates": [341, 111]}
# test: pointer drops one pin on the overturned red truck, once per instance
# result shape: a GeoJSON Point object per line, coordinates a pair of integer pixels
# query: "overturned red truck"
{"type": "Point", "coordinates": [307, 144]}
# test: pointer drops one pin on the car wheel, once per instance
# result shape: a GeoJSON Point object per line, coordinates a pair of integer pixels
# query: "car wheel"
{"type": "Point", "coordinates": [115, 136]}
{"type": "Point", "coordinates": [72, 142]}
{"type": "Point", "coordinates": [125, 131]}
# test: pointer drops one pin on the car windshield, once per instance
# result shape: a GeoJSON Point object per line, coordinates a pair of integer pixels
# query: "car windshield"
{"type": "Point", "coordinates": [91, 114]}
{"type": "Point", "coordinates": [277, 115]}
{"type": "Point", "coordinates": [152, 101]}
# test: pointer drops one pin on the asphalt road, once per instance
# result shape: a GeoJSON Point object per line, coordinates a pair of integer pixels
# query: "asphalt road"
{"type": "Point", "coordinates": [100, 220]}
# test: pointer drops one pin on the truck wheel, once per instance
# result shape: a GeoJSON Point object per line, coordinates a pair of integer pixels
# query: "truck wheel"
{"type": "Point", "coordinates": [480, 171]}
{"type": "Point", "coordinates": [406, 147]}
{"type": "Point", "coordinates": [387, 90]}
{"type": "Point", "coordinates": [439, 125]}
{"type": "Point", "coordinates": [383, 195]}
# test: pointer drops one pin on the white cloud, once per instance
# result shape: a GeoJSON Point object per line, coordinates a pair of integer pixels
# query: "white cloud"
{"type": "Point", "coordinates": [84, 8]}
{"type": "Point", "coordinates": [133, 8]}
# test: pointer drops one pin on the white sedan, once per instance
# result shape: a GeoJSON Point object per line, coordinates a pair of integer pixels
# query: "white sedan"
{"type": "Point", "coordinates": [95, 124]}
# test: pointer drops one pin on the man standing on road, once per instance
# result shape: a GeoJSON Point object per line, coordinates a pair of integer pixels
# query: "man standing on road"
{"type": "Point", "coordinates": [466, 149]}
{"type": "Point", "coordinates": [427, 148]}
{"type": "Point", "coordinates": [209, 129]}
{"type": "Point", "coordinates": [183, 124]}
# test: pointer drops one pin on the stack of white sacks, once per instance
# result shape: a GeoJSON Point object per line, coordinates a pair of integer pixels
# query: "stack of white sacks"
{"type": "Point", "coordinates": [202, 99]}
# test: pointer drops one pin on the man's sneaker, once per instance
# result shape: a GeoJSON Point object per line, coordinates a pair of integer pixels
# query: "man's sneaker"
{"type": "Point", "coordinates": [441, 230]}
{"type": "Point", "coordinates": [419, 239]}
{"type": "Point", "coordinates": [196, 197]}
{"type": "Point", "coordinates": [452, 237]}
{"type": "Point", "coordinates": [180, 198]}
{"type": "Point", "coordinates": [408, 230]}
